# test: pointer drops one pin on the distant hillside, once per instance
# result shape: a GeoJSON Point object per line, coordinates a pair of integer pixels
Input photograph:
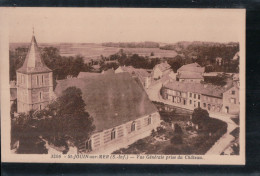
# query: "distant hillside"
{"type": "Point", "coordinates": [132, 44]}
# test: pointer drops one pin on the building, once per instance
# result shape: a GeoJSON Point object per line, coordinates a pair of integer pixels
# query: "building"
{"type": "Point", "coordinates": [219, 61]}
{"type": "Point", "coordinates": [231, 100]}
{"type": "Point", "coordinates": [121, 110]}
{"type": "Point", "coordinates": [209, 97]}
{"type": "Point", "coordinates": [142, 74]}
{"type": "Point", "coordinates": [190, 73]}
{"type": "Point", "coordinates": [160, 70]}
{"type": "Point", "coordinates": [34, 81]}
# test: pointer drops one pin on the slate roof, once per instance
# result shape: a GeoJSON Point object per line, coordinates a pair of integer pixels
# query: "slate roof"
{"type": "Point", "coordinates": [112, 99]}
{"type": "Point", "coordinates": [210, 90]}
{"type": "Point", "coordinates": [33, 62]}
{"type": "Point", "coordinates": [194, 67]}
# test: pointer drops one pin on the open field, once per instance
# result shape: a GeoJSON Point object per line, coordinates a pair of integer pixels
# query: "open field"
{"type": "Point", "coordinates": [94, 51]}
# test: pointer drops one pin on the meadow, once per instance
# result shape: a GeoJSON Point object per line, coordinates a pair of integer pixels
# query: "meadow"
{"type": "Point", "coordinates": [94, 51]}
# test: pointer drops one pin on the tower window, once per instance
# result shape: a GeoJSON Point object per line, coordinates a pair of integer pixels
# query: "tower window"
{"type": "Point", "coordinates": [40, 107]}
{"type": "Point", "coordinates": [40, 95]}
{"type": "Point", "coordinates": [37, 80]}
{"type": "Point", "coordinates": [42, 79]}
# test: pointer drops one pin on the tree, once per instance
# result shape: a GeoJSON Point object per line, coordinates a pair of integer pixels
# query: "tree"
{"type": "Point", "coordinates": [200, 116]}
{"type": "Point", "coordinates": [177, 137]}
{"type": "Point", "coordinates": [71, 120]}
{"type": "Point", "coordinates": [168, 116]}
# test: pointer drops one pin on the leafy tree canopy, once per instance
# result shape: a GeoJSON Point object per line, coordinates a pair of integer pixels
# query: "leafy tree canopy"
{"type": "Point", "coordinates": [199, 116]}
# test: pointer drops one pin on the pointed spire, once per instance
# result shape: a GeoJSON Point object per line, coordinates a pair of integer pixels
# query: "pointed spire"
{"type": "Point", "coordinates": [33, 62]}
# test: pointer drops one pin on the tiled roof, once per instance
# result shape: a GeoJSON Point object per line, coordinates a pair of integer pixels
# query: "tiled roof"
{"type": "Point", "coordinates": [112, 99]}
{"type": "Point", "coordinates": [204, 89]}
{"type": "Point", "coordinates": [33, 62]}
{"type": "Point", "coordinates": [194, 67]}
{"type": "Point", "coordinates": [163, 66]}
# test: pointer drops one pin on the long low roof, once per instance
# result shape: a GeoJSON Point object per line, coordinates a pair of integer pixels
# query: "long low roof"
{"type": "Point", "coordinates": [112, 99]}
{"type": "Point", "coordinates": [210, 90]}
{"type": "Point", "coordinates": [190, 75]}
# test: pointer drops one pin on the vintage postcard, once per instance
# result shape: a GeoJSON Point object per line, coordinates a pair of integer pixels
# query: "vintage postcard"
{"type": "Point", "coordinates": [123, 85]}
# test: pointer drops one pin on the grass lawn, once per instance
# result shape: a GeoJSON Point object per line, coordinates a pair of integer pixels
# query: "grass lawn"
{"type": "Point", "coordinates": [193, 141]}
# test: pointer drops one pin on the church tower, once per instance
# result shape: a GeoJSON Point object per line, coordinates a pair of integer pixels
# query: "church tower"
{"type": "Point", "coordinates": [34, 81]}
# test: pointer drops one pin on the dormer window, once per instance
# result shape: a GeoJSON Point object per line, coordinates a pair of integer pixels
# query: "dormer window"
{"type": "Point", "coordinates": [113, 134]}
{"type": "Point", "coordinates": [149, 120]}
{"type": "Point", "coordinates": [133, 126]}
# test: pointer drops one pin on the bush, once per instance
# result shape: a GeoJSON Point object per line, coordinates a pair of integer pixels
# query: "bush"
{"type": "Point", "coordinates": [153, 133]}
{"type": "Point", "coordinates": [205, 142]}
{"type": "Point", "coordinates": [188, 128]}
{"type": "Point", "coordinates": [176, 139]}
{"type": "Point", "coordinates": [177, 129]}
{"type": "Point", "coordinates": [160, 130]}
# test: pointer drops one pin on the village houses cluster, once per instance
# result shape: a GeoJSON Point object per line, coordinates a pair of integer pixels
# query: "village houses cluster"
{"type": "Point", "coordinates": [118, 100]}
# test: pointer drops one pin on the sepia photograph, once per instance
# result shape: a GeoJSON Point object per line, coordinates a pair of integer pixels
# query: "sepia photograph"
{"type": "Point", "coordinates": [118, 85]}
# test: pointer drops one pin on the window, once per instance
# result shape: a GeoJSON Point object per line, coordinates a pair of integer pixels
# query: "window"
{"type": "Point", "coordinates": [42, 79]}
{"type": "Point", "coordinates": [133, 126]}
{"type": "Point", "coordinates": [233, 100]}
{"type": "Point", "coordinates": [194, 103]}
{"type": "Point", "coordinates": [113, 134]}
{"type": "Point", "coordinates": [190, 101]}
{"type": "Point", "coordinates": [194, 95]}
{"type": "Point", "coordinates": [233, 92]}
{"type": "Point", "coordinates": [88, 145]}
{"type": "Point", "coordinates": [37, 80]}
{"type": "Point", "coordinates": [40, 95]}
{"type": "Point", "coordinates": [184, 102]}
{"type": "Point", "coordinates": [199, 104]}
{"type": "Point", "coordinates": [204, 105]}
{"type": "Point", "coordinates": [209, 106]}
{"type": "Point", "coordinates": [198, 96]}
{"type": "Point", "coordinates": [190, 94]}
{"type": "Point", "coordinates": [149, 120]}
{"type": "Point", "coordinates": [40, 107]}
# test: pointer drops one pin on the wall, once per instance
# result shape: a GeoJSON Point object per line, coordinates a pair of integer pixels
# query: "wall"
{"type": "Point", "coordinates": [157, 73]}
{"type": "Point", "coordinates": [233, 107]}
{"type": "Point", "coordinates": [33, 91]}
{"type": "Point", "coordinates": [102, 142]}
{"type": "Point", "coordinates": [191, 80]}
{"type": "Point", "coordinates": [212, 104]}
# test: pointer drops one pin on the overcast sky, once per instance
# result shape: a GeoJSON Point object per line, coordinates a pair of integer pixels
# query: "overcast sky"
{"type": "Point", "coordinates": [123, 25]}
